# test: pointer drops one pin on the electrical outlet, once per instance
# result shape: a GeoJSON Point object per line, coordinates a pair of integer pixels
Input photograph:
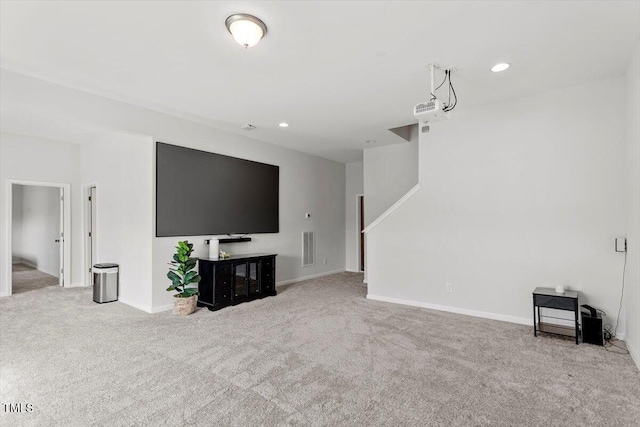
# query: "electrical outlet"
{"type": "Point", "coordinates": [449, 287]}
{"type": "Point", "coordinates": [325, 260]}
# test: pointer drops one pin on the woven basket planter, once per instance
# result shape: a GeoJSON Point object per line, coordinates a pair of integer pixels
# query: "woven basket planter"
{"type": "Point", "coordinates": [184, 306]}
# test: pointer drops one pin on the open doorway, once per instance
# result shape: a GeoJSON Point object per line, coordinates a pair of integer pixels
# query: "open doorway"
{"type": "Point", "coordinates": [38, 221]}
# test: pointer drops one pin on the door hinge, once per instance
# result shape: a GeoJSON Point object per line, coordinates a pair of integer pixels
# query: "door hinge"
{"type": "Point", "coordinates": [62, 234]}
{"type": "Point", "coordinates": [62, 271]}
{"type": "Point", "coordinates": [89, 234]}
{"type": "Point", "coordinates": [89, 198]}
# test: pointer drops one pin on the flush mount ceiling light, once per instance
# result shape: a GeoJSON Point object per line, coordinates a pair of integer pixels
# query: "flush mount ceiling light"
{"type": "Point", "coordinates": [283, 124]}
{"type": "Point", "coordinates": [246, 29]}
{"type": "Point", "coordinates": [500, 67]}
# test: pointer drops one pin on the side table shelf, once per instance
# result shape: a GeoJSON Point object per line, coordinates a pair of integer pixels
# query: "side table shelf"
{"type": "Point", "coordinates": [549, 298]}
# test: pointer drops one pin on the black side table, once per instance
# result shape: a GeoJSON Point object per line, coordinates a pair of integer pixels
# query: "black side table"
{"type": "Point", "coordinates": [549, 298]}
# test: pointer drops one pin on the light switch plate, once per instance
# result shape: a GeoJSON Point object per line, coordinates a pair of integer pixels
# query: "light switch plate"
{"type": "Point", "coordinates": [621, 244]}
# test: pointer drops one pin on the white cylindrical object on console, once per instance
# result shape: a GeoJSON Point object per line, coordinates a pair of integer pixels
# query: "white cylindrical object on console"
{"type": "Point", "coordinates": [214, 249]}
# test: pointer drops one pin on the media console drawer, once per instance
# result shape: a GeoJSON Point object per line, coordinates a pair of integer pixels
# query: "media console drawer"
{"type": "Point", "coordinates": [235, 280]}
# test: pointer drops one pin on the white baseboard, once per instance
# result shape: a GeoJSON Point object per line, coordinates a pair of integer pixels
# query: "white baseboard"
{"type": "Point", "coordinates": [147, 309]}
{"type": "Point", "coordinates": [25, 262]}
{"type": "Point", "coordinates": [313, 276]}
{"type": "Point", "coordinates": [77, 285]}
{"type": "Point", "coordinates": [351, 270]}
{"type": "Point", "coordinates": [144, 308]}
{"type": "Point", "coordinates": [474, 313]}
{"type": "Point", "coordinates": [162, 308]}
{"type": "Point", "coordinates": [3, 294]}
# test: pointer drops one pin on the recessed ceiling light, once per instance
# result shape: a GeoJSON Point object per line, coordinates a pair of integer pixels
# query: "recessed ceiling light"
{"type": "Point", "coordinates": [283, 124]}
{"type": "Point", "coordinates": [246, 29]}
{"type": "Point", "coordinates": [370, 141]}
{"type": "Point", "coordinates": [500, 67]}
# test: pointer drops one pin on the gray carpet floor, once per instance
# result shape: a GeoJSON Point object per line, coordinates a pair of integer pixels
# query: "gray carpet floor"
{"type": "Point", "coordinates": [25, 278]}
{"type": "Point", "coordinates": [319, 353]}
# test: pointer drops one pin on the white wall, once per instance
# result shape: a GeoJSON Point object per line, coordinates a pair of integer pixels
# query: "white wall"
{"type": "Point", "coordinates": [38, 159]}
{"type": "Point", "coordinates": [121, 167]}
{"type": "Point", "coordinates": [38, 227]}
{"type": "Point", "coordinates": [632, 140]}
{"type": "Point", "coordinates": [354, 185]}
{"type": "Point", "coordinates": [389, 172]}
{"type": "Point", "coordinates": [16, 223]}
{"type": "Point", "coordinates": [514, 195]}
{"type": "Point", "coordinates": [307, 183]}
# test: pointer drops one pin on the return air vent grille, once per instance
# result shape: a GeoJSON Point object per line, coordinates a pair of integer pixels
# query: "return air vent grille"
{"type": "Point", "coordinates": [308, 248]}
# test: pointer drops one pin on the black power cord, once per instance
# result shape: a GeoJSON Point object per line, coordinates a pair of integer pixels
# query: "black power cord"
{"type": "Point", "coordinates": [450, 107]}
{"type": "Point", "coordinates": [624, 272]}
{"type": "Point", "coordinates": [610, 336]}
{"type": "Point", "coordinates": [447, 78]}
{"type": "Point", "coordinates": [433, 95]}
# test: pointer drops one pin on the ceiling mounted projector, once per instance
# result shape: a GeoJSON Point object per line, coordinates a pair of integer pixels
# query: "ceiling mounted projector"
{"type": "Point", "coordinates": [430, 111]}
{"type": "Point", "coordinates": [435, 110]}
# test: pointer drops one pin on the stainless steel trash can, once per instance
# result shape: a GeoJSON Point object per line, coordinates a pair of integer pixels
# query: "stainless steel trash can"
{"type": "Point", "coordinates": [106, 281]}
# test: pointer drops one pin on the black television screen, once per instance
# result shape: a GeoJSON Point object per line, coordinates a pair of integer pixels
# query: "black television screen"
{"type": "Point", "coordinates": [201, 194]}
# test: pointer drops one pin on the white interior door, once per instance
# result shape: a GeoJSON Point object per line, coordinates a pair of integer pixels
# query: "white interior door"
{"type": "Point", "coordinates": [61, 239]}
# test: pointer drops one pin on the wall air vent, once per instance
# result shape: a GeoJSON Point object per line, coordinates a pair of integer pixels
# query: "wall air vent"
{"type": "Point", "coordinates": [308, 248]}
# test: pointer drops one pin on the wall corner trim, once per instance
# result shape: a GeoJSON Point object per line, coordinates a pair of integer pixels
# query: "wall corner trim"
{"type": "Point", "coordinates": [393, 207]}
{"type": "Point", "coordinates": [457, 310]}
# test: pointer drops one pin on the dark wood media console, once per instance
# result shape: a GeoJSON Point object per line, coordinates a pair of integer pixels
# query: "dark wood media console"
{"type": "Point", "coordinates": [235, 280]}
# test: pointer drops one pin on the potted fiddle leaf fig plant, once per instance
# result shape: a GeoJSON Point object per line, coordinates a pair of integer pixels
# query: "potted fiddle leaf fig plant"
{"type": "Point", "coordinates": [182, 273]}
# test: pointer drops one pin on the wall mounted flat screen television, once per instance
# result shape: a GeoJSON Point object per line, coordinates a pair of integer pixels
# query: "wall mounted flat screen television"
{"type": "Point", "coordinates": [203, 194]}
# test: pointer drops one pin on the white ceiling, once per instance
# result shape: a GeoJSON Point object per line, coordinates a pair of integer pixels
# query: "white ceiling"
{"type": "Point", "coordinates": [340, 73]}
